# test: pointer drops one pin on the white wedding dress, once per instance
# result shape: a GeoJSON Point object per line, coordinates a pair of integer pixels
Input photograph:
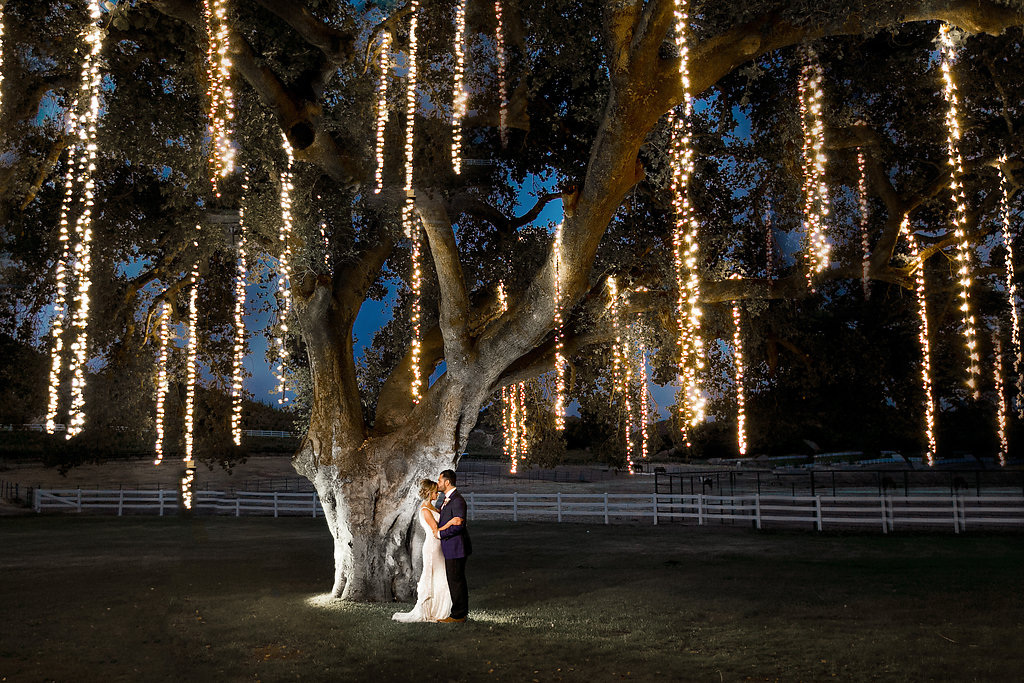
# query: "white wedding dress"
{"type": "Point", "coordinates": [433, 601]}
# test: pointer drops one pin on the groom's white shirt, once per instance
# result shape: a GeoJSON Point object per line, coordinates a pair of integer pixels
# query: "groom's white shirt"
{"type": "Point", "coordinates": [448, 496]}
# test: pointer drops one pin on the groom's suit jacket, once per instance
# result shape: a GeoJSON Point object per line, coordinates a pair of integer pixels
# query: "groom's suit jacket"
{"type": "Point", "coordinates": [455, 539]}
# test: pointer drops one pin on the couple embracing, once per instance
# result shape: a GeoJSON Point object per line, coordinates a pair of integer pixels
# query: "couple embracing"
{"type": "Point", "coordinates": [441, 593]}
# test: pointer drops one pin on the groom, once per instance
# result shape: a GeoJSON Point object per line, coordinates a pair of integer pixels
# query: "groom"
{"type": "Point", "coordinates": [455, 545]}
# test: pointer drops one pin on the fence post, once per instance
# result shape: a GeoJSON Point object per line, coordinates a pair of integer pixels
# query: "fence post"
{"type": "Point", "coordinates": [472, 508]}
{"type": "Point", "coordinates": [757, 510]}
{"type": "Point", "coordinates": [275, 504]}
{"type": "Point", "coordinates": [885, 521]}
{"type": "Point", "coordinates": [238, 506]}
{"type": "Point", "coordinates": [79, 498]}
{"type": "Point", "coordinates": [558, 500]}
{"type": "Point", "coordinates": [120, 503]}
{"type": "Point", "coordinates": [956, 514]}
{"type": "Point", "coordinates": [606, 508]}
{"type": "Point", "coordinates": [313, 500]}
{"type": "Point", "coordinates": [654, 502]}
{"type": "Point", "coordinates": [817, 510]}
{"type": "Point", "coordinates": [700, 509]}
{"type": "Point", "coordinates": [37, 503]}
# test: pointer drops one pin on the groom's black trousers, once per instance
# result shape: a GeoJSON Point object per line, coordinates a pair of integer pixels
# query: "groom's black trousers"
{"type": "Point", "coordinates": [456, 569]}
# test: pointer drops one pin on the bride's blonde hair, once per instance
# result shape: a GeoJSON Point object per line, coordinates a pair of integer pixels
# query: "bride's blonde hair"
{"type": "Point", "coordinates": [427, 489]}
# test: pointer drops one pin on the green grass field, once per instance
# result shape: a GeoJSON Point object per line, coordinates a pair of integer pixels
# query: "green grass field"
{"type": "Point", "coordinates": [224, 599]}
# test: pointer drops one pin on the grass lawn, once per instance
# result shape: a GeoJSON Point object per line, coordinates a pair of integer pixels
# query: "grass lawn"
{"type": "Point", "coordinates": [224, 599]}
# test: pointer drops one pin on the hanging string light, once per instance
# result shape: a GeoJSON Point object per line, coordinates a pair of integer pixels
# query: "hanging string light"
{"type": "Point", "coordinates": [769, 244]}
{"type": "Point", "coordinates": [499, 46]}
{"type": "Point", "coordinates": [508, 441]}
{"type": "Point", "coordinates": [162, 383]}
{"type": "Point", "coordinates": [239, 320]}
{"type": "Point", "coordinates": [922, 335]}
{"type": "Point", "coordinates": [190, 381]}
{"type": "Point", "coordinates": [737, 350]}
{"type": "Point", "coordinates": [1011, 287]}
{"type": "Point", "coordinates": [812, 123]}
{"type": "Point", "coordinates": [684, 241]}
{"type": "Point", "coordinates": [382, 109]}
{"type": "Point", "coordinates": [622, 375]}
{"type": "Point", "coordinates": [513, 409]}
{"type": "Point", "coordinates": [521, 412]}
{"type": "Point", "coordinates": [862, 197]}
{"type": "Point", "coordinates": [963, 251]}
{"type": "Point", "coordinates": [63, 265]}
{"type": "Point", "coordinates": [997, 372]}
{"type": "Point", "coordinates": [645, 399]}
{"type": "Point", "coordinates": [222, 100]}
{"type": "Point", "coordinates": [190, 358]}
{"type": "Point", "coordinates": [1, 57]}
{"type": "Point", "coordinates": [410, 225]}
{"type": "Point", "coordinates": [91, 81]}
{"type": "Point", "coordinates": [284, 270]}
{"type": "Point", "coordinates": [560, 362]}
{"type": "Point", "coordinates": [459, 95]}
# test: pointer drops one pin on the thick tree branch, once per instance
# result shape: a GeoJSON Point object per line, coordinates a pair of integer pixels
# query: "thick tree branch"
{"type": "Point", "coordinates": [453, 308]}
{"type": "Point", "coordinates": [718, 56]}
{"type": "Point", "coordinates": [337, 45]}
{"type": "Point", "coordinates": [298, 117]}
{"type": "Point", "coordinates": [469, 204]}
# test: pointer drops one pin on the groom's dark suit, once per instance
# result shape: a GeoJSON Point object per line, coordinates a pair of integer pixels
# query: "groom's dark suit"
{"type": "Point", "coordinates": [456, 546]}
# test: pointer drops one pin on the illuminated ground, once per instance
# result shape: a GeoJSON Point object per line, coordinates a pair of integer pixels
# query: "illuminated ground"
{"type": "Point", "coordinates": [224, 599]}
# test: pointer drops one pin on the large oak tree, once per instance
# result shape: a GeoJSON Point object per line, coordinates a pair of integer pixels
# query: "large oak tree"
{"type": "Point", "coordinates": [590, 83]}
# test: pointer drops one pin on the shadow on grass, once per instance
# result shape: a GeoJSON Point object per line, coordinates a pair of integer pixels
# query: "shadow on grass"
{"type": "Point", "coordinates": [242, 599]}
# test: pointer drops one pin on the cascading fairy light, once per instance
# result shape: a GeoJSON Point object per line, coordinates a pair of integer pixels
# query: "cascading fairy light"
{"type": "Point", "coordinates": [222, 106]}
{"type": "Point", "coordinates": [684, 241]}
{"type": "Point", "coordinates": [862, 200]}
{"type": "Point", "coordinates": [1011, 287]}
{"type": "Point", "coordinates": [737, 357]}
{"type": "Point", "coordinates": [190, 358]}
{"type": "Point", "coordinates": [922, 336]}
{"type": "Point", "coordinates": [382, 109]}
{"type": "Point", "coordinates": [284, 270]}
{"type": "Point", "coordinates": [560, 363]}
{"type": "Point", "coordinates": [458, 90]}
{"type": "Point", "coordinates": [63, 265]}
{"type": "Point", "coordinates": [410, 225]}
{"type": "Point", "coordinates": [186, 487]}
{"type": "Point", "coordinates": [997, 374]}
{"type": "Point", "coordinates": [513, 409]}
{"type": "Point", "coordinates": [1, 57]}
{"type": "Point", "coordinates": [963, 251]}
{"type": "Point", "coordinates": [162, 383]}
{"type": "Point", "coordinates": [812, 123]}
{"type": "Point", "coordinates": [645, 400]}
{"type": "Point", "coordinates": [499, 46]}
{"type": "Point", "coordinates": [91, 81]}
{"type": "Point", "coordinates": [769, 245]}
{"type": "Point", "coordinates": [622, 374]}
{"type": "Point", "coordinates": [239, 321]}
{"type": "Point", "coordinates": [190, 380]}
{"type": "Point", "coordinates": [523, 437]}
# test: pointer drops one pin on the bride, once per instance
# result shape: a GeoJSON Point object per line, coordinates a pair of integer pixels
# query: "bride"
{"type": "Point", "coordinates": [433, 601]}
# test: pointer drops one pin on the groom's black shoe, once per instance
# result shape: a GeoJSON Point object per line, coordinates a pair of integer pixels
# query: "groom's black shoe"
{"type": "Point", "coordinates": [450, 620]}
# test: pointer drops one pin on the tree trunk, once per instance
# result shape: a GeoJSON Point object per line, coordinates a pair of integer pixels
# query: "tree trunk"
{"type": "Point", "coordinates": [371, 509]}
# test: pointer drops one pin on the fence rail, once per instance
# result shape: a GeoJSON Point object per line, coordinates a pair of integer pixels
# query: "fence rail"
{"type": "Point", "coordinates": [865, 511]}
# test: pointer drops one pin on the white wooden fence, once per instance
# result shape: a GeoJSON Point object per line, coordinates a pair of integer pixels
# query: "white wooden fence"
{"type": "Point", "coordinates": [271, 503]}
{"type": "Point", "coordinates": [866, 511]}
